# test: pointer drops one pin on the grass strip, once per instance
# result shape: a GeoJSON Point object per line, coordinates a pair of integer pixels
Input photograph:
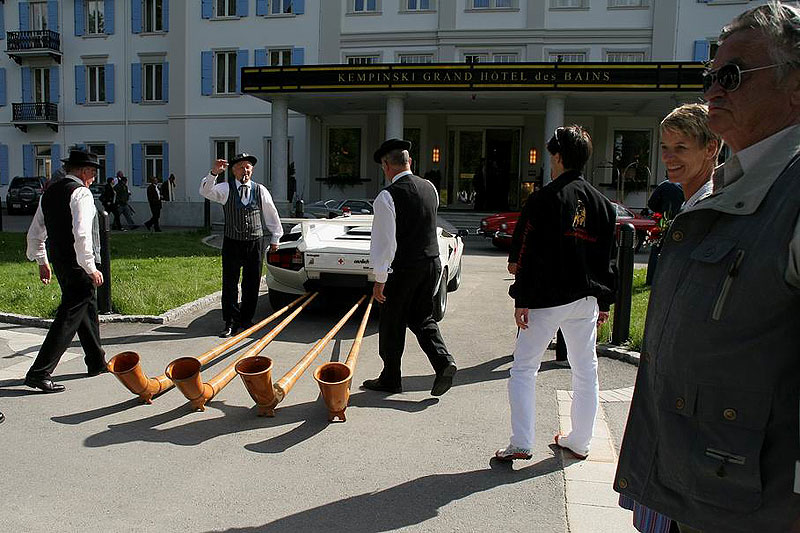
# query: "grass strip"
{"type": "Point", "coordinates": [639, 300]}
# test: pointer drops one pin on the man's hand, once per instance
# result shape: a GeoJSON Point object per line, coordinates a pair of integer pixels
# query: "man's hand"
{"type": "Point", "coordinates": [512, 269]}
{"type": "Point", "coordinates": [273, 247]}
{"type": "Point", "coordinates": [219, 166]}
{"type": "Point", "coordinates": [45, 274]}
{"type": "Point", "coordinates": [377, 292]}
{"type": "Point", "coordinates": [602, 318]}
{"type": "Point", "coordinates": [521, 317]}
{"type": "Point", "coordinates": [97, 278]}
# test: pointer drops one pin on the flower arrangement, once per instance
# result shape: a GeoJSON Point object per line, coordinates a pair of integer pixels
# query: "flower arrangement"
{"type": "Point", "coordinates": [655, 235]}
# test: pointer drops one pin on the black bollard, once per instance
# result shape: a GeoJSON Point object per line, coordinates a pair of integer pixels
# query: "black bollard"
{"type": "Point", "coordinates": [299, 208]}
{"type": "Point", "coordinates": [207, 215]}
{"type": "Point", "coordinates": [622, 308]}
{"type": "Point", "coordinates": [104, 290]}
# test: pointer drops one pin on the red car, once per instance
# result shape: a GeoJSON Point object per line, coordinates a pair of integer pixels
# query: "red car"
{"type": "Point", "coordinates": [500, 227]}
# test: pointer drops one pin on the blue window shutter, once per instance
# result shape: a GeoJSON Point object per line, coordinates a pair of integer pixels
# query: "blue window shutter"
{"type": "Point", "coordinates": [165, 15]}
{"type": "Point", "coordinates": [109, 83]}
{"type": "Point", "coordinates": [110, 161]}
{"type": "Point", "coordinates": [80, 84]}
{"type": "Point", "coordinates": [207, 9]}
{"type": "Point", "coordinates": [299, 7]}
{"type": "Point", "coordinates": [27, 85]}
{"type": "Point", "coordinates": [137, 163]}
{"type": "Point", "coordinates": [165, 167]}
{"type": "Point", "coordinates": [108, 17]}
{"type": "Point", "coordinates": [4, 164]}
{"type": "Point", "coordinates": [241, 62]}
{"type": "Point", "coordinates": [136, 83]}
{"type": "Point", "coordinates": [55, 157]}
{"type": "Point", "coordinates": [262, 7]}
{"type": "Point", "coordinates": [206, 72]}
{"type": "Point", "coordinates": [55, 85]}
{"type": "Point", "coordinates": [80, 24]}
{"type": "Point", "coordinates": [52, 15]}
{"type": "Point", "coordinates": [136, 16]}
{"type": "Point", "coordinates": [165, 81]}
{"type": "Point", "coordinates": [242, 7]}
{"type": "Point", "coordinates": [24, 16]}
{"type": "Point", "coordinates": [298, 56]}
{"type": "Point", "coordinates": [2, 23]}
{"type": "Point", "coordinates": [27, 160]}
{"type": "Point", "coordinates": [3, 100]}
{"type": "Point", "coordinates": [701, 49]}
{"type": "Point", "coordinates": [260, 57]}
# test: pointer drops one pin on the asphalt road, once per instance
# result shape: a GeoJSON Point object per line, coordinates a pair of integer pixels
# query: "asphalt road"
{"type": "Point", "coordinates": [92, 457]}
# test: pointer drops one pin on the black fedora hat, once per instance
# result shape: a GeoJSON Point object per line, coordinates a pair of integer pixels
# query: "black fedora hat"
{"type": "Point", "coordinates": [81, 158]}
{"type": "Point", "coordinates": [244, 156]}
{"type": "Point", "coordinates": [389, 145]}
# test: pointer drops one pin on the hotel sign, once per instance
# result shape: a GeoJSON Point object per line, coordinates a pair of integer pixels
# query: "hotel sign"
{"type": "Point", "coordinates": [674, 76]}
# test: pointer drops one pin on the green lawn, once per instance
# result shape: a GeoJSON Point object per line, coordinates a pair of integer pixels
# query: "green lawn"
{"type": "Point", "coordinates": [150, 272]}
{"type": "Point", "coordinates": [641, 295]}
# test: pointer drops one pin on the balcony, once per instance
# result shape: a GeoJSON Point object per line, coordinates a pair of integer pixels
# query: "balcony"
{"type": "Point", "coordinates": [37, 43]}
{"type": "Point", "coordinates": [35, 113]}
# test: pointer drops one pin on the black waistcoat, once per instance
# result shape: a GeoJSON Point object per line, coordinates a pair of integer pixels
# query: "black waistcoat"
{"type": "Point", "coordinates": [415, 204]}
{"type": "Point", "coordinates": [58, 221]}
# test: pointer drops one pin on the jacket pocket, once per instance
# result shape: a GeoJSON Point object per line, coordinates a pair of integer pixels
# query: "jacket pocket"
{"type": "Point", "coordinates": [731, 425]}
{"type": "Point", "coordinates": [708, 281]}
{"type": "Point", "coordinates": [722, 297]}
{"type": "Point", "coordinates": [676, 407]}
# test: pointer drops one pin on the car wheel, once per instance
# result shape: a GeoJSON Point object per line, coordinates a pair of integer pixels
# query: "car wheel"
{"type": "Point", "coordinates": [440, 299]}
{"type": "Point", "coordinates": [455, 283]}
{"type": "Point", "coordinates": [279, 299]}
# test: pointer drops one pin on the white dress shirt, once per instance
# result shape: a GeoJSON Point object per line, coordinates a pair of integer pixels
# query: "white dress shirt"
{"type": "Point", "coordinates": [705, 190]}
{"type": "Point", "coordinates": [218, 192]}
{"type": "Point", "coordinates": [81, 205]}
{"type": "Point", "coordinates": [383, 244]}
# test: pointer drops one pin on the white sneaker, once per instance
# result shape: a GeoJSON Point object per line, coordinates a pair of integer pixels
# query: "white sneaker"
{"type": "Point", "coordinates": [563, 443]}
{"type": "Point", "coordinates": [512, 452]}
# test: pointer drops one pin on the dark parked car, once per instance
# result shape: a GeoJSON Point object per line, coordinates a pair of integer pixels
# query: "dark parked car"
{"type": "Point", "coordinates": [335, 208]}
{"type": "Point", "coordinates": [23, 194]}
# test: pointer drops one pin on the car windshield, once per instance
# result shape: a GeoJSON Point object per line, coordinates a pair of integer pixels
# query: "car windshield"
{"type": "Point", "coordinates": [622, 212]}
{"type": "Point", "coordinates": [25, 182]}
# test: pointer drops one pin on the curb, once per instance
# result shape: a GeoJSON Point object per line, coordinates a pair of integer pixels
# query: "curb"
{"type": "Point", "coordinates": [621, 354]}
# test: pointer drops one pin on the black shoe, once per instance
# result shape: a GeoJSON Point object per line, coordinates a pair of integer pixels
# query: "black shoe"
{"type": "Point", "coordinates": [444, 380]}
{"type": "Point", "coordinates": [44, 384]}
{"type": "Point", "coordinates": [146, 225]}
{"type": "Point", "coordinates": [378, 385]}
{"type": "Point", "coordinates": [226, 332]}
{"type": "Point", "coordinates": [97, 371]}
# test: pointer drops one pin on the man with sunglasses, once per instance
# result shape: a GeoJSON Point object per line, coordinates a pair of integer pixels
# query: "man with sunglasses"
{"type": "Point", "coordinates": [713, 436]}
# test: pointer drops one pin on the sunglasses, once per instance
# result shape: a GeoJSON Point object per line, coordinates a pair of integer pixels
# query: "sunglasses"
{"type": "Point", "coordinates": [729, 76]}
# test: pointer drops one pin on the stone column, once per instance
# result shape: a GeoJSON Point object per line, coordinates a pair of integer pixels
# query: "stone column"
{"type": "Point", "coordinates": [279, 159]}
{"type": "Point", "coordinates": [394, 116]}
{"type": "Point", "coordinates": [554, 117]}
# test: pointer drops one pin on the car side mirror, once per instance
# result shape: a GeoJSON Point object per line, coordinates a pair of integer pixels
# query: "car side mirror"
{"type": "Point", "coordinates": [462, 233]}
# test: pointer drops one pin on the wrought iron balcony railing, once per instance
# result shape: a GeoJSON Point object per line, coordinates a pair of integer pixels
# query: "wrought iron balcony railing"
{"type": "Point", "coordinates": [24, 114]}
{"type": "Point", "coordinates": [32, 43]}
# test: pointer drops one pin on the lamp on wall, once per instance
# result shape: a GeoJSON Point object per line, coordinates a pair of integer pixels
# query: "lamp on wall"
{"type": "Point", "coordinates": [435, 154]}
{"type": "Point", "coordinates": [532, 156]}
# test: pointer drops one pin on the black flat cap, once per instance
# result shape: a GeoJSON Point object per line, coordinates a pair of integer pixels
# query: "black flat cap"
{"type": "Point", "coordinates": [81, 158]}
{"type": "Point", "coordinates": [389, 145]}
{"type": "Point", "coordinates": [244, 156]}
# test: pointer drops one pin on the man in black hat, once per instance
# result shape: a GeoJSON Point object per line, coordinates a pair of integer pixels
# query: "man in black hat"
{"type": "Point", "coordinates": [66, 218]}
{"type": "Point", "coordinates": [249, 210]}
{"type": "Point", "coordinates": [404, 253]}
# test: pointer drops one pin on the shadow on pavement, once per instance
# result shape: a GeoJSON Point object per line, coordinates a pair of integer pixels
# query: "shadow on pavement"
{"type": "Point", "coordinates": [404, 505]}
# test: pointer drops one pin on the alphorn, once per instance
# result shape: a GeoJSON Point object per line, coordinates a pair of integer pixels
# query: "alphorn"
{"type": "Point", "coordinates": [185, 371]}
{"type": "Point", "coordinates": [126, 366]}
{"type": "Point", "coordinates": [334, 378]}
{"type": "Point", "coordinates": [256, 372]}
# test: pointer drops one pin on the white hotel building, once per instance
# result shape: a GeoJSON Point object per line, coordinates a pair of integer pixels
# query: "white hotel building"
{"type": "Point", "coordinates": [155, 88]}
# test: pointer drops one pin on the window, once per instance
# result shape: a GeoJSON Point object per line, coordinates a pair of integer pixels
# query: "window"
{"type": "Point", "coordinates": [344, 153]}
{"type": "Point", "coordinates": [567, 57]}
{"type": "Point", "coordinates": [43, 162]}
{"type": "Point", "coordinates": [628, 3]}
{"type": "Point", "coordinates": [226, 72]}
{"type": "Point", "coordinates": [225, 149]}
{"type": "Point", "coordinates": [418, 5]}
{"type": "Point", "coordinates": [41, 86]}
{"type": "Point", "coordinates": [153, 160]}
{"type": "Point", "coordinates": [365, 6]}
{"type": "Point", "coordinates": [268, 163]}
{"type": "Point", "coordinates": [556, 4]}
{"type": "Point", "coordinates": [415, 58]}
{"type": "Point", "coordinates": [492, 4]}
{"type": "Point", "coordinates": [476, 58]}
{"type": "Point", "coordinates": [279, 57]}
{"type": "Point", "coordinates": [281, 7]}
{"type": "Point", "coordinates": [362, 60]}
{"type": "Point", "coordinates": [225, 8]}
{"type": "Point", "coordinates": [100, 151]}
{"type": "Point", "coordinates": [95, 15]}
{"type": "Point", "coordinates": [153, 83]}
{"type": "Point", "coordinates": [505, 58]}
{"type": "Point", "coordinates": [96, 83]}
{"type": "Point", "coordinates": [624, 57]}
{"type": "Point", "coordinates": [38, 12]}
{"type": "Point", "coordinates": [153, 16]}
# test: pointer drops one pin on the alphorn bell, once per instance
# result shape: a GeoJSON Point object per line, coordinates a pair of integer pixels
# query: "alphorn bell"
{"type": "Point", "coordinates": [256, 372]}
{"type": "Point", "coordinates": [334, 378]}
{"type": "Point", "coordinates": [126, 366]}
{"type": "Point", "coordinates": [185, 371]}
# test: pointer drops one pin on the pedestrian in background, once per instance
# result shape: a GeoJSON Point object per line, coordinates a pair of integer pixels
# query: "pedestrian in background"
{"type": "Point", "coordinates": [108, 198]}
{"type": "Point", "coordinates": [168, 189]}
{"type": "Point", "coordinates": [154, 200]}
{"type": "Point", "coordinates": [123, 200]}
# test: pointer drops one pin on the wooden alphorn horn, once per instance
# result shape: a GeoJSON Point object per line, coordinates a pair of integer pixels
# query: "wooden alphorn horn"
{"type": "Point", "coordinates": [334, 378]}
{"type": "Point", "coordinates": [185, 371]}
{"type": "Point", "coordinates": [126, 366]}
{"type": "Point", "coordinates": [256, 372]}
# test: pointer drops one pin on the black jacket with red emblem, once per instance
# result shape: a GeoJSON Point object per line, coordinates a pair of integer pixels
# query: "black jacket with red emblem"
{"type": "Point", "coordinates": [568, 245]}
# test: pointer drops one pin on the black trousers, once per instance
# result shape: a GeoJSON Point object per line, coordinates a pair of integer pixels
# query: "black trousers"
{"type": "Point", "coordinates": [76, 313]}
{"type": "Point", "coordinates": [245, 257]}
{"type": "Point", "coordinates": [409, 303]}
{"type": "Point", "coordinates": [156, 214]}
